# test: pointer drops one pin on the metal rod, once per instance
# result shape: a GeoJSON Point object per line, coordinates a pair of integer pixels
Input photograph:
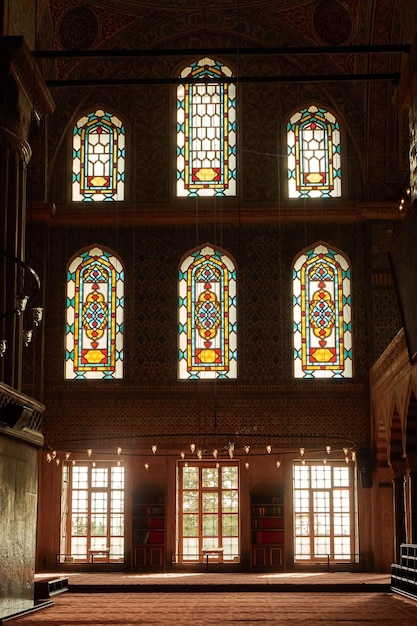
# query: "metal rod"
{"type": "Point", "coordinates": [283, 51]}
{"type": "Point", "coordinates": [314, 78]}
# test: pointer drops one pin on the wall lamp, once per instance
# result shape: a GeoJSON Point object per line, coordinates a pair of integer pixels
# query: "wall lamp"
{"type": "Point", "coordinates": [21, 302]}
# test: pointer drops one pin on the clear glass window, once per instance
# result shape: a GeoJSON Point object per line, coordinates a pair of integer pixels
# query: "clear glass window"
{"type": "Point", "coordinates": [208, 512]}
{"type": "Point", "coordinates": [323, 512]}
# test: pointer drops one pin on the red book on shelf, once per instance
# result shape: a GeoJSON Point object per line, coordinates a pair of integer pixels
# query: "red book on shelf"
{"type": "Point", "coordinates": [270, 536]}
{"type": "Point", "coordinates": [156, 536]}
{"type": "Point", "coordinates": [270, 522]}
{"type": "Point", "coordinates": [155, 522]}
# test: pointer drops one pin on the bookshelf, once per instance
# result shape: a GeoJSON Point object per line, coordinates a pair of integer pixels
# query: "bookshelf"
{"type": "Point", "coordinates": [267, 532]}
{"type": "Point", "coordinates": [148, 533]}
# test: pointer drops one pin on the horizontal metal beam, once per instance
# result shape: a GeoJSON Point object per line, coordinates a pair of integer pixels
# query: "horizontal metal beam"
{"type": "Point", "coordinates": [314, 78]}
{"type": "Point", "coordinates": [282, 51]}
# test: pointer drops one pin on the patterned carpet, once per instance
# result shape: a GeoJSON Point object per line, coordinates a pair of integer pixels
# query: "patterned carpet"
{"type": "Point", "coordinates": [228, 599]}
{"type": "Point", "coordinates": [223, 609]}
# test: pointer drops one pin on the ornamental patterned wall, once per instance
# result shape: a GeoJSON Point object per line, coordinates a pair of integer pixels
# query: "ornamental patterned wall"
{"type": "Point", "coordinates": [149, 399]}
{"type": "Point", "coordinates": [264, 399]}
{"type": "Point", "coordinates": [364, 108]}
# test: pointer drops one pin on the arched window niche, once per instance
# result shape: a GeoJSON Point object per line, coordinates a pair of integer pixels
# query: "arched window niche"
{"type": "Point", "coordinates": [314, 154]}
{"type": "Point", "coordinates": [322, 317]}
{"type": "Point", "coordinates": [94, 315]}
{"type": "Point", "coordinates": [98, 157]}
{"type": "Point", "coordinates": [206, 131]}
{"type": "Point", "coordinates": [207, 330]}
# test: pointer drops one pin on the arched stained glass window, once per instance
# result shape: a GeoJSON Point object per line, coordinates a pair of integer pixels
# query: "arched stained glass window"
{"type": "Point", "coordinates": [206, 132]}
{"type": "Point", "coordinates": [313, 148]}
{"type": "Point", "coordinates": [98, 158]}
{"type": "Point", "coordinates": [207, 315]}
{"type": "Point", "coordinates": [94, 313]}
{"type": "Point", "coordinates": [322, 314]}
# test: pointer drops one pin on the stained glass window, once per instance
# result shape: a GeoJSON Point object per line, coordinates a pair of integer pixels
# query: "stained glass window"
{"type": "Point", "coordinates": [207, 315]}
{"type": "Point", "coordinates": [322, 314]}
{"type": "Point", "coordinates": [98, 158]}
{"type": "Point", "coordinates": [313, 148]}
{"type": "Point", "coordinates": [206, 132]}
{"type": "Point", "coordinates": [95, 306]}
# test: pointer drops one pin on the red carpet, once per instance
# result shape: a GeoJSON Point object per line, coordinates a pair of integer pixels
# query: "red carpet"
{"type": "Point", "coordinates": [221, 609]}
{"type": "Point", "coordinates": [244, 607]}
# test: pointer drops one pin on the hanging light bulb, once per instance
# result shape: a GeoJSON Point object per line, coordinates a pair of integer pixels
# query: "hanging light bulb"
{"type": "Point", "coordinates": [154, 449]}
{"type": "Point", "coordinates": [345, 451]}
{"type": "Point", "coordinates": [278, 464]}
{"type": "Point", "coordinates": [27, 336]}
{"type": "Point", "coordinates": [347, 460]}
{"type": "Point", "coordinates": [119, 450]}
{"type": "Point", "coordinates": [48, 457]}
{"type": "Point", "coordinates": [328, 449]}
{"type": "Point", "coordinates": [73, 462]}
{"type": "Point", "coordinates": [231, 452]}
{"type": "Point", "coordinates": [89, 452]}
{"type": "Point", "coordinates": [247, 448]}
{"type": "Point", "coordinates": [199, 454]}
{"type": "Point", "coordinates": [324, 461]}
{"type": "Point", "coordinates": [3, 347]}
{"type": "Point", "coordinates": [269, 448]}
{"type": "Point", "coordinates": [37, 315]}
{"type": "Point", "coordinates": [146, 466]}
{"type": "Point", "coordinates": [302, 450]}
{"type": "Point", "coordinates": [21, 302]}
{"type": "Point", "coordinates": [303, 461]}
{"type": "Point", "coordinates": [215, 453]}
{"type": "Point", "coordinates": [53, 455]}
{"type": "Point", "coordinates": [118, 463]}
{"type": "Point", "coordinates": [353, 456]}
{"type": "Point", "coordinates": [182, 455]}
{"type": "Point", "coordinates": [57, 461]}
{"type": "Point", "coordinates": [192, 447]}
{"type": "Point", "coordinates": [67, 455]}
{"type": "Point", "coordinates": [94, 463]}
{"type": "Point", "coordinates": [247, 465]}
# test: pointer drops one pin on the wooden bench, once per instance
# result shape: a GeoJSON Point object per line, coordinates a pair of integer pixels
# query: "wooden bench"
{"type": "Point", "coordinates": [215, 552]}
{"type": "Point", "coordinates": [105, 552]}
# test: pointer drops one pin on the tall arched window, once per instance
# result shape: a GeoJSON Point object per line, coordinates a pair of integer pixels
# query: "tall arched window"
{"type": "Point", "coordinates": [94, 313]}
{"type": "Point", "coordinates": [206, 131]}
{"type": "Point", "coordinates": [98, 158]}
{"type": "Point", "coordinates": [322, 314]}
{"type": "Point", "coordinates": [313, 148]}
{"type": "Point", "coordinates": [207, 315]}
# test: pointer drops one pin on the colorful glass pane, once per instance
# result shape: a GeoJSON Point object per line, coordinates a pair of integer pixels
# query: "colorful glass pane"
{"type": "Point", "coordinates": [98, 158]}
{"type": "Point", "coordinates": [95, 307]}
{"type": "Point", "coordinates": [207, 315]}
{"type": "Point", "coordinates": [313, 149]}
{"type": "Point", "coordinates": [206, 132]}
{"type": "Point", "coordinates": [322, 314]}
